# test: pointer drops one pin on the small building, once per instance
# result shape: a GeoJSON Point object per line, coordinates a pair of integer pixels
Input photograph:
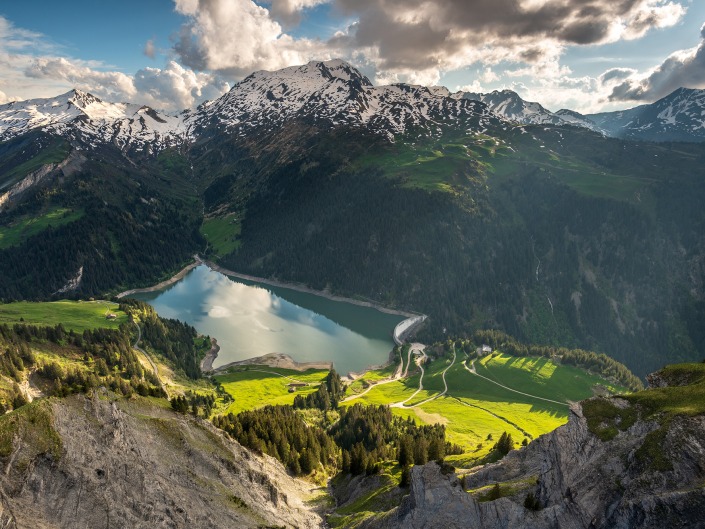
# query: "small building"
{"type": "Point", "coordinates": [484, 350]}
{"type": "Point", "coordinates": [110, 316]}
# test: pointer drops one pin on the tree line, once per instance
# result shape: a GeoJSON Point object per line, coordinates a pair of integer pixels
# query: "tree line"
{"type": "Point", "coordinates": [176, 341]}
{"type": "Point", "coordinates": [599, 363]}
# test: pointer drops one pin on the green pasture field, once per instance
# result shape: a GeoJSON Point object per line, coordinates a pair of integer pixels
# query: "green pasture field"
{"type": "Point", "coordinates": [222, 234]}
{"type": "Point", "coordinates": [475, 408]}
{"type": "Point", "coordinates": [73, 315]}
{"type": "Point", "coordinates": [256, 386]}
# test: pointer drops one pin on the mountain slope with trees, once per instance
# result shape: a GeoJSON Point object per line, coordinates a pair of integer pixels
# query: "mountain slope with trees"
{"type": "Point", "coordinates": [405, 195]}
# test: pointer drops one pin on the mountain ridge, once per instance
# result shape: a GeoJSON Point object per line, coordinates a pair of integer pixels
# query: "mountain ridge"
{"type": "Point", "coordinates": [335, 93]}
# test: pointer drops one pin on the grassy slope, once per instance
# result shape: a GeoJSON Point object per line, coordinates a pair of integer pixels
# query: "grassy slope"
{"type": "Point", "coordinates": [253, 388]}
{"type": "Point", "coordinates": [371, 501]}
{"type": "Point", "coordinates": [74, 315]}
{"type": "Point", "coordinates": [222, 234]}
{"type": "Point", "coordinates": [25, 228]}
{"type": "Point", "coordinates": [475, 408]}
{"type": "Point", "coordinates": [81, 315]}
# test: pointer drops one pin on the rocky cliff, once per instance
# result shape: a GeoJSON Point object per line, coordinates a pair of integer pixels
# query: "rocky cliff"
{"type": "Point", "coordinates": [637, 462]}
{"type": "Point", "coordinates": [95, 462]}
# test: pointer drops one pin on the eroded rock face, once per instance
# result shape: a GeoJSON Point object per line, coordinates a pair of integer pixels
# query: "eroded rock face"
{"type": "Point", "coordinates": [651, 475]}
{"type": "Point", "coordinates": [129, 464]}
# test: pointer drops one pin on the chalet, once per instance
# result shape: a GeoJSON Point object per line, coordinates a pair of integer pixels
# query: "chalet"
{"type": "Point", "coordinates": [484, 350]}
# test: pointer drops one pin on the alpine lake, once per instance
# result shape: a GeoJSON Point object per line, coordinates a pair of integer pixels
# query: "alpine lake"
{"type": "Point", "coordinates": [253, 319]}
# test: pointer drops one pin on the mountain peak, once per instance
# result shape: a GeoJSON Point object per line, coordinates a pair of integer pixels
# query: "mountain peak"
{"type": "Point", "coordinates": [330, 71]}
{"type": "Point", "coordinates": [675, 117]}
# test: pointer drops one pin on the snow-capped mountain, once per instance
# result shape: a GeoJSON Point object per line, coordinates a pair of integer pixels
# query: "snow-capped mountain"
{"type": "Point", "coordinates": [84, 117]}
{"type": "Point", "coordinates": [331, 94]}
{"type": "Point", "coordinates": [335, 93]}
{"type": "Point", "coordinates": [510, 106]}
{"type": "Point", "coordinates": [680, 116]}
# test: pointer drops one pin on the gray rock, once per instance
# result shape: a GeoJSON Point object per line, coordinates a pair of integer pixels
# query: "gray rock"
{"type": "Point", "coordinates": [583, 482]}
{"type": "Point", "coordinates": [131, 464]}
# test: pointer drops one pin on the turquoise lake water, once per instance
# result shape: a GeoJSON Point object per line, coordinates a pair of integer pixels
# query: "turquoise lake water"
{"type": "Point", "coordinates": [252, 319]}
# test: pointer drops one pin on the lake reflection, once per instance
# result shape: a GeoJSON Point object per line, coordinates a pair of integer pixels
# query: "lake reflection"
{"type": "Point", "coordinates": [251, 320]}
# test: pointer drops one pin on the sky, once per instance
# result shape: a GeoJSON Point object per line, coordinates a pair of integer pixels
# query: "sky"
{"type": "Point", "coordinates": [586, 55]}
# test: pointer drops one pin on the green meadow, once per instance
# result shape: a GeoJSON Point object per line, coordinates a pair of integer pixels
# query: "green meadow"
{"type": "Point", "coordinates": [222, 234]}
{"type": "Point", "coordinates": [475, 409]}
{"type": "Point", "coordinates": [20, 230]}
{"type": "Point", "coordinates": [256, 386]}
{"type": "Point", "coordinates": [73, 315]}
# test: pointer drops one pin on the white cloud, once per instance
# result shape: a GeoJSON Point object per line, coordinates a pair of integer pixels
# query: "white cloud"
{"type": "Point", "coordinates": [103, 84]}
{"type": "Point", "coordinates": [172, 88]}
{"type": "Point", "coordinates": [30, 67]}
{"type": "Point", "coordinates": [176, 87]}
{"type": "Point", "coordinates": [236, 37]}
{"type": "Point", "coordinates": [474, 87]}
{"type": "Point", "coordinates": [149, 49]}
{"type": "Point", "coordinates": [488, 75]}
{"type": "Point", "coordinates": [682, 68]}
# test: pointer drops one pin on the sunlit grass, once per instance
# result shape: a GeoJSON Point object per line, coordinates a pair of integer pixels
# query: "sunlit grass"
{"type": "Point", "coordinates": [73, 315]}
{"type": "Point", "coordinates": [259, 386]}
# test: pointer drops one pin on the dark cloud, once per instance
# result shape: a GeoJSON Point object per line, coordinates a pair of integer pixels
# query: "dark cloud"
{"type": "Point", "coordinates": [427, 28]}
{"type": "Point", "coordinates": [616, 74]}
{"type": "Point", "coordinates": [682, 69]}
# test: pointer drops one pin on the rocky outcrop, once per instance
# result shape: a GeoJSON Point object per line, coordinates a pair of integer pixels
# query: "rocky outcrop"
{"type": "Point", "coordinates": [44, 173]}
{"type": "Point", "coordinates": [649, 475]}
{"type": "Point", "coordinates": [97, 462]}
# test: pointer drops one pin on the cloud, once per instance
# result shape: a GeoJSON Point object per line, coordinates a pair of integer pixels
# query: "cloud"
{"type": "Point", "coordinates": [288, 12]}
{"type": "Point", "coordinates": [445, 35]}
{"type": "Point", "coordinates": [104, 84]}
{"type": "Point", "coordinates": [616, 74]}
{"type": "Point", "coordinates": [31, 67]}
{"type": "Point", "coordinates": [149, 49]}
{"type": "Point", "coordinates": [236, 37]}
{"type": "Point", "coordinates": [683, 68]}
{"type": "Point", "coordinates": [176, 87]}
{"type": "Point", "coordinates": [171, 88]}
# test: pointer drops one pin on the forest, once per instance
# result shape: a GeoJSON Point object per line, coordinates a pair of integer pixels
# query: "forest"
{"type": "Point", "coordinates": [174, 340]}
{"type": "Point", "coordinates": [136, 226]}
{"type": "Point", "coordinates": [102, 357]}
{"type": "Point", "coordinates": [520, 251]}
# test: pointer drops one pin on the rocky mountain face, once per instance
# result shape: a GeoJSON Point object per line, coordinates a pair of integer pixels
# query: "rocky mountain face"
{"type": "Point", "coordinates": [680, 116]}
{"type": "Point", "coordinates": [614, 465]}
{"type": "Point", "coordinates": [93, 462]}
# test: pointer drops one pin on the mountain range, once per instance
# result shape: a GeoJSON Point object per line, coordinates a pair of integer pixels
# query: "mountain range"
{"type": "Point", "coordinates": [336, 93]}
{"type": "Point", "coordinates": [480, 210]}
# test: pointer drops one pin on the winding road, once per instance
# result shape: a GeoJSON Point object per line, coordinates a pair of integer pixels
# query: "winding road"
{"type": "Point", "coordinates": [415, 348]}
{"type": "Point", "coordinates": [445, 384]}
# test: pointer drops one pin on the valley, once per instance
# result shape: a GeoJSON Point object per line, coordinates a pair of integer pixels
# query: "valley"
{"type": "Point", "coordinates": [549, 261]}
